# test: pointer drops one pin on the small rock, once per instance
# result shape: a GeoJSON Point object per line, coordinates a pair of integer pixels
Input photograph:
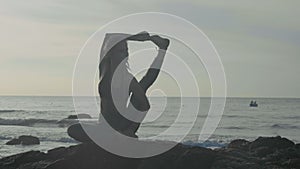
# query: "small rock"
{"type": "Point", "coordinates": [79, 116]}
{"type": "Point", "coordinates": [24, 140]}
{"type": "Point", "coordinates": [14, 141]}
{"type": "Point", "coordinates": [29, 140]}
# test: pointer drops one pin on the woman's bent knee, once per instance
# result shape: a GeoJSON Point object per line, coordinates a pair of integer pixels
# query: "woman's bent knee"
{"type": "Point", "coordinates": [76, 132]}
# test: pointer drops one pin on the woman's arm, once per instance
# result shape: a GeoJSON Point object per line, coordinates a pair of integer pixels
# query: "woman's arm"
{"type": "Point", "coordinates": [156, 65]}
{"type": "Point", "coordinates": [139, 89]}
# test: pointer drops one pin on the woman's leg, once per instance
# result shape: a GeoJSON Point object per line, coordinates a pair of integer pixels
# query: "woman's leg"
{"type": "Point", "coordinates": [76, 132]}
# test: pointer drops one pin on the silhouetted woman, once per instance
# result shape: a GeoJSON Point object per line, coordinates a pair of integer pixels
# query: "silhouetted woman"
{"type": "Point", "coordinates": [117, 85]}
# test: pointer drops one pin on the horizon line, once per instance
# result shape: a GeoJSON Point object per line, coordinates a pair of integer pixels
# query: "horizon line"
{"type": "Point", "coordinates": [259, 97]}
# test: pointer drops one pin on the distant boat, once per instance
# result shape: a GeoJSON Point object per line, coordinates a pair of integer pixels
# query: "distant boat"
{"type": "Point", "coordinates": [253, 104]}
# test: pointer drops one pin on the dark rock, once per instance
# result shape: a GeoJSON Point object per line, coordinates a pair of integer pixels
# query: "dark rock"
{"type": "Point", "coordinates": [179, 157]}
{"type": "Point", "coordinates": [272, 142]}
{"type": "Point", "coordinates": [29, 140]}
{"type": "Point", "coordinates": [14, 141]}
{"type": "Point", "coordinates": [59, 152]}
{"type": "Point", "coordinates": [91, 156]}
{"type": "Point", "coordinates": [24, 140]}
{"type": "Point", "coordinates": [293, 163]}
{"type": "Point", "coordinates": [263, 151]}
{"type": "Point", "coordinates": [23, 160]}
{"type": "Point", "coordinates": [236, 155]}
{"type": "Point", "coordinates": [196, 158]}
{"type": "Point", "coordinates": [239, 144]}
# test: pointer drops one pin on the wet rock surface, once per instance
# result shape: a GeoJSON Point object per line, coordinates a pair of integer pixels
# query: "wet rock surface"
{"type": "Point", "coordinates": [263, 153]}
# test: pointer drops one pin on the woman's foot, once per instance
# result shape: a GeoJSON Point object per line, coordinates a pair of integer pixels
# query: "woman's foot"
{"type": "Point", "coordinates": [131, 130]}
{"type": "Point", "coordinates": [162, 43]}
{"type": "Point", "coordinates": [129, 133]}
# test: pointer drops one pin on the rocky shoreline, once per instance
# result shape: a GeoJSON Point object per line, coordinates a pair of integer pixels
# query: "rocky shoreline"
{"type": "Point", "coordinates": [262, 153]}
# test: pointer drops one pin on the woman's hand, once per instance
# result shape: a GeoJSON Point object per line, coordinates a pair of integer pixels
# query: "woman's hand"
{"type": "Point", "coordinates": [162, 43]}
{"type": "Point", "coordinates": [142, 36]}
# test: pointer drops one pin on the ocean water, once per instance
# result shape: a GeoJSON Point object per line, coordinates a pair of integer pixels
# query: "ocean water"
{"type": "Point", "coordinates": [40, 115]}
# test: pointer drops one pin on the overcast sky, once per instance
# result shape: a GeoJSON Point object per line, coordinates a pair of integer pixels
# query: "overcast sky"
{"type": "Point", "coordinates": [258, 41]}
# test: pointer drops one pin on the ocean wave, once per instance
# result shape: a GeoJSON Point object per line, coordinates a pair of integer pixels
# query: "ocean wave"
{"type": "Point", "coordinates": [156, 126]}
{"type": "Point", "coordinates": [207, 144]}
{"type": "Point", "coordinates": [5, 138]}
{"type": "Point", "coordinates": [287, 117]}
{"type": "Point", "coordinates": [234, 128]}
{"type": "Point", "coordinates": [9, 111]}
{"type": "Point", "coordinates": [284, 126]}
{"type": "Point", "coordinates": [63, 140]}
{"type": "Point", "coordinates": [26, 122]}
{"type": "Point", "coordinates": [43, 122]}
{"type": "Point", "coordinates": [35, 111]}
{"type": "Point", "coordinates": [47, 139]}
{"type": "Point", "coordinates": [239, 116]}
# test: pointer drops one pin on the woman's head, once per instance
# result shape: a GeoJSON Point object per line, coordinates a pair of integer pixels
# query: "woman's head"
{"type": "Point", "coordinates": [114, 53]}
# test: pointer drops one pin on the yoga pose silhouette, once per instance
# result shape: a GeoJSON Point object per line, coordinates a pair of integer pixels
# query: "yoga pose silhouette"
{"type": "Point", "coordinates": [117, 85]}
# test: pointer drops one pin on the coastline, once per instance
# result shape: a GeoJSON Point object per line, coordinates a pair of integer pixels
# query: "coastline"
{"type": "Point", "coordinates": [264, 152]}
